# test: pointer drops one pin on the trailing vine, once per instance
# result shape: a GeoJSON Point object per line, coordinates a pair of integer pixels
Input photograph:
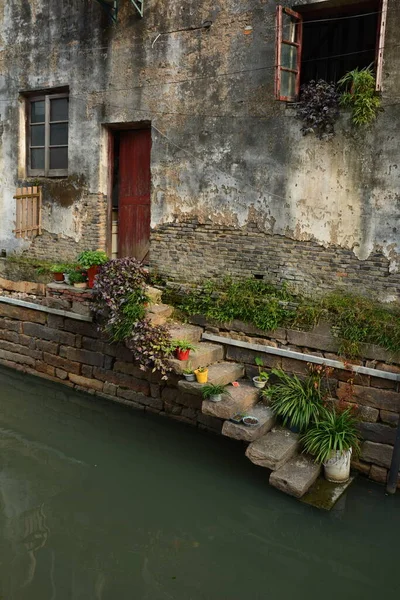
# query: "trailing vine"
{"type": "Point", "coordinates": [318, 108]}
{"type": "Point", "coordinates": [120, 301]}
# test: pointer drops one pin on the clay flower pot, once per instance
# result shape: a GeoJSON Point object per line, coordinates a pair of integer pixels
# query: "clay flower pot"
{"type": "Point", "coordinates": [201, 376]}
{"type": "Point", "coordinates": [182, 354]}
{"type": "Point", "coordinates": [59, 277]}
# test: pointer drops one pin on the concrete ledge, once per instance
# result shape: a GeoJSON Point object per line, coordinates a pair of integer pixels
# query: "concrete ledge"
{"type": "Point", "coordinates": [302, 357]}
{"type": "Point", "coordinates": [45, 309]}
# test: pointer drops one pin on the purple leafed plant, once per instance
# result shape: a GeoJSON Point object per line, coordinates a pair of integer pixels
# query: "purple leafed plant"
{"type": "Point", "coordinates": [318, 108]}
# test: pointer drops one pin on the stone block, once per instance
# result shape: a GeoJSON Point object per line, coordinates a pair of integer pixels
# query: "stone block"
{"type": "Point", "coordinates": [291, 365]}
{"type": "Point", "coordinates": [95, 359]}
{"type": "Point", "coordinates": [11, 325]}
{"type": "Point", "coordinates": [119, 351]}
{"type": "Point", "coordinates": [367, 396]}
{"type": "Point", "coordinates": [296, 476]}
{"type": "Point", "coordinates": [368, 414]}
{"type": "Point", "coordinates": [376, 432]}
{"type": "Point", "coordinates": [307, 339]}
{"type": "Point", "coordinates": [62, 363]}
{"type": "Point", "coordinates": [42, 367]}
{"type": "Point", "coordinates": [110, 388]}
{"type": "Point", "coordinates": [220, 373]}
{"type": "Point", "coordinates": [378, 474]}
{"type": "Point", "coordinates": [124, 381]}
{"type": "Point", "coordinates": [154, 294]}
{"type": "Point", "coordinates": [26, 340]}
{"type": "Point", "coordinates": [175, 396]}
{"type": "Point", "coordinates": [20, 349]}
{"type": "Point", "coordinates": [81, 327]}
{"type": "Point", "coordinates": [185, 332]}
{"type": "Point", "coordinates": [20, 313]}
{"type": "Point", "coordinates": [47, 333]}
{"type": "Point", "coordinates": [209, 423]}
{"type": "Point", "coordinates": [81, 308]}
{"type": "Point", "coordinates": [25, 287]}
{"type": "Point", "coordinates": [55, 321]}
{"type": "Point", "coordinates": [386, 384]}
{"type": "Point", "coordinates": [155, 391]}
{"type": "Point", "coordinates": [131, 395]}
{"type": "Point", "coordinates": [61, 374]}
{"type": "Point", "coordinates": [274, 449]}
{"type": "Point", "coordinates": [244, 355]}
{"type": "Point", "coordinates": [378, 454]}
{"type": "Point", "coordinates": [241, 400]}
{"type": "Point", "coordinates": [390, 418]}
{"type": "Point", "coordinates": [238, 431]}
{"type": "Point", "coordinates": [10, 336]}
{"type": "Point", "coordinates": [13, 357]}
{"type": "Point", "coordinates": [159, 313]}
{"type": "Point", "coordinates": [86, 382]}
{"type": "Point", "coordinates": [46, 346]}
{"type": "Point", "coordinates": [129, 369]}
{"type": "Point", "coordinates": [87, 371]}
{"type": "Point", "coordinates": [92, 344]}
{"type": "Point", "coordinates": [360, 466]}
{"type": "Point", "coordinates": [204, 355]}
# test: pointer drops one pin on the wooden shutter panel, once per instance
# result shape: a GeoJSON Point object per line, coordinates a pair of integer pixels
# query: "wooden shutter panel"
{"type": "Point", "coordinates": [381, 45]}
{"type": "Point", "coordinates": [289, 34]}
{"type": "Point", "coordinates": [28, 219]}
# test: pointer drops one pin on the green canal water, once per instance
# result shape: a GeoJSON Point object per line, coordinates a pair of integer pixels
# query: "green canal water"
{"type": "Point", "coordinates": [98, 502]}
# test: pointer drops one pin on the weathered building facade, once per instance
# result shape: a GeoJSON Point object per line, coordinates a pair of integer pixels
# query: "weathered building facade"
{"type": "Point", "coordinates": [170, 124]}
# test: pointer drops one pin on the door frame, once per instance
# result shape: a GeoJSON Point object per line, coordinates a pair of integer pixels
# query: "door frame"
{"type": "Point", "coordinates": [111, 129]}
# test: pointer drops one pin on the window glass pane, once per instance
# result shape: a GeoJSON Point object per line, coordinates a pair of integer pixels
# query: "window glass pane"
{"type": "Point", "coordinates": [59, 134]}
{"type": "Point", "coordinates": [59, 109]}
{"type": "Point", "coordinates": [37, 135]}
{"type": "Point", "coordinates": [289, 25]}
{"type": "Point", "coordinates": [37, 158]}
{"type": "Point", "coordinates": [288, 84]}
{"type": "Point", "coordinates": [37, 112]}
{"type": "Point", "coordinates": [58, 158]}
{"type": "Point", "coordinates": [288, 56]}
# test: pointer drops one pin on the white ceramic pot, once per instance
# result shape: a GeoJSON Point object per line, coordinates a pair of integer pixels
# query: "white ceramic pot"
{"type": "Point", "coordinates": [216, 398]}
{"type": "Point", "coordinates": [259, 383]}
{"type": "Point", "coordinates": [81, 286]}
{"type": "Point", "coordinates": [189, 376]}
{"type": "Point", "coordinates": [337, 468]}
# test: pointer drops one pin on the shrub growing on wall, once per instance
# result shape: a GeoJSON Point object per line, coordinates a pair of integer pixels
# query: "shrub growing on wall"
{"type": "Point", "coordinates": [360, 95]}
{"type": "Point", "coordinates": [318, 108]}
{"type": "Point", "coordinates": [119, 304]}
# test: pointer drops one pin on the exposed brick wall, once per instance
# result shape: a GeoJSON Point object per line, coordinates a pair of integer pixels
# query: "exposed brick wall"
{"type": "Point", "coordinates": [191, 252]}
{"type": "Point", "coordinates": [91, 223]}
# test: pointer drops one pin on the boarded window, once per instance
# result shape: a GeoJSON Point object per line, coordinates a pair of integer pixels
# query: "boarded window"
{"type": "Point", "coordinates": [48, 135]}
{"type": "Point", "coordinates": [28, 219]}
{"type": "Point", "coordinates": [327, 42]}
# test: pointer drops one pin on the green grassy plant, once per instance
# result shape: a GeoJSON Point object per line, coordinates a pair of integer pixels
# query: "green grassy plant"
{"type": "Point", "coordinates": [359, 94]}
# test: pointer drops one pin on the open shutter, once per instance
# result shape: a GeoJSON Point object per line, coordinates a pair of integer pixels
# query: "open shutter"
{"type": "Point", "coordinates": [289, 33]}
{"type": "Point", "coordinates": [381, 45]}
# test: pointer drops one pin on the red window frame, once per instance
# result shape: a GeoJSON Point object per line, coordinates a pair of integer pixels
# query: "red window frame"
{"type": "Point", "coordinates": [381, 44]}
{"type": "Point", "coordinates": [280, 10]}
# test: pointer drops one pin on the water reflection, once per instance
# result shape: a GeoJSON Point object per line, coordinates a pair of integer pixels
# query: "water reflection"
{"type": "Point", "coordinates": [100, 503]}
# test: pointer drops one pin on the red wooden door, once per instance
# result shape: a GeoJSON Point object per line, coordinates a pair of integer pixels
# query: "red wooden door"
{"type": "Point", "coordinates": [134, 193]}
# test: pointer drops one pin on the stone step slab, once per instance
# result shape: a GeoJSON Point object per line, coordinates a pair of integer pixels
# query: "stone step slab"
{"type": "Point", "coordinates": [274, 449]}
{"type": "Point", "coordinates": [204, 355]}
{"type": "Point", "coordinates": [154, 294]}
{"type": "Point", "coordinates": [242, 399]}
{"type": "Point", "coordinates": [238, 431]}
{"type": "Point", "coordinates": [222, 373]}
{"type": "Point", "coordinates": [185, 332]}
{"type": "Point", "coordinates": [296, 476]}
{"type": "Point", "coordinates": [159, 313]}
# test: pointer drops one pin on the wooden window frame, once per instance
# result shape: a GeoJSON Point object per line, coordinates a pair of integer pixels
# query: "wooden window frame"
{"type": "Point", "coordinates": [46, 172]}
{"type": "Point", "coordinates": [280, 10]}
{"type": "Point", "coordinates": [380, 45]}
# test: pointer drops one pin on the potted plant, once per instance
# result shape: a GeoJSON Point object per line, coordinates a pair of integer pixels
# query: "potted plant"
{"type": "Point", "coordinates": [78, 279]}
{"type": "Point", "coordinates": [214, 392]}
{"type": "Point", "coordinates": [90, 261]}
{"type": "Point", "coordinates": [182, 348]}
{"type": "Point", "coordinates": [332, 439]}
{"type": "Point", "coordinates": [260, 381]}
{"type": "Point", "coordinates": [188, 373]}
{"type": "Point", "coordinates": [297, 402]}
{"type": "Point", "coordinates": [201, 374]}
{"type": "Point", "coordinates": [58, 272]}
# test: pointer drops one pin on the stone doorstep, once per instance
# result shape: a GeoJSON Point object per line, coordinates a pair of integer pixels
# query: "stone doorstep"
{"type": "Point", "coordinates": [222, 372]}
{"type": "Point", "coordinates": [204, 355]}
{"type": "Point", "coordinates": [242, 399]}
{"type": "Point", "coordinates": [238, 431]}
{"type": "Point", "coordinates": [188, 332]}
{"type": "Point", "coordinates": [274, 449]}
{"type": "Point", "coordinates": [296, 476]}
{"type": "Point", "coordinates": [324, 494]}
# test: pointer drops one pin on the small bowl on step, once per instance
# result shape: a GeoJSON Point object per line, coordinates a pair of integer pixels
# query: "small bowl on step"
{"type": "Point", "coordinates": [250, 421]}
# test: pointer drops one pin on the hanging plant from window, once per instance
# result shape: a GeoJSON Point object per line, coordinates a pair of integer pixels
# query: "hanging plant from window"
{"type": "Point", "coordinates": [318, 108]}
{"type": "Point", "coordinates": [360, 95]}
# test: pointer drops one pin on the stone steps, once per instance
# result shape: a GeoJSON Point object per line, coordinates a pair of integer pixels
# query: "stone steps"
{"type": "Point", "coordinates": [222, 373]}
{"type": "Point", "coordinates": [296, 476]}
{"type": "Point", "coordinates": [241, 399]}
{"type": "Point", "coordinates": [204, 355]}
{"type": "Point", "coordinates": [238, 431]}
{"type": "Point", "coordinates": [188, 332]}
{"type": "Point", "coordinates": [274, 449]}
{"type": "Point", "coordinates": [159, 313]}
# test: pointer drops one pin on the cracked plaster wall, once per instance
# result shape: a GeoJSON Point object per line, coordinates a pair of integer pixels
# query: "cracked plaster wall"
{"type": "Point", "coordinates": [224, 151]}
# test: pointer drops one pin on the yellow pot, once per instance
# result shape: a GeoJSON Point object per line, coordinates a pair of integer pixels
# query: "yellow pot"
{"type": "Point", "coordinates": [201, 377]}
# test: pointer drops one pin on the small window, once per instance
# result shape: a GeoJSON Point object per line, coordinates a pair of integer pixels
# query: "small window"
{"type": "Point", "coordinates": [327, 42]}
{"type": "Point", "coordinates": [48, 135]}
